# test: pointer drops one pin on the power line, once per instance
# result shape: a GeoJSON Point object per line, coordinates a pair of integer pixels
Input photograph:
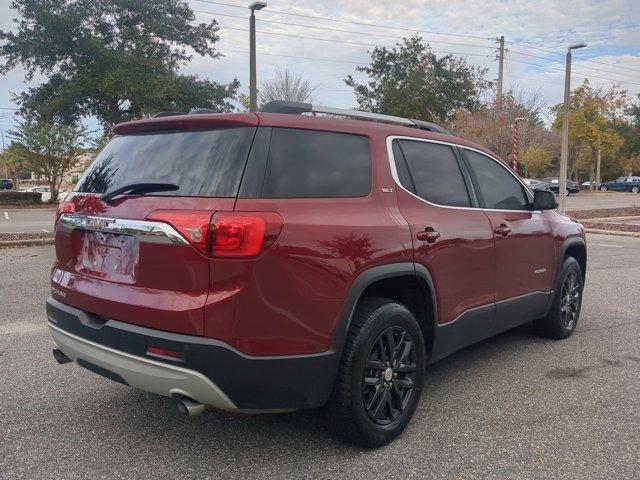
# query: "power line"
{"type": "Point", "coordinates": [582, 59]}
{"type": "Point", "coordinates": [346, 41]}
{"type": "Point", "coordinates": [317, 17]}
{"type": "Point", "coordinates": [586, 67]}
{"type": "Point", "coordinates": [589, 75]}
{"type": "Point", "coordinates": [395, 37]}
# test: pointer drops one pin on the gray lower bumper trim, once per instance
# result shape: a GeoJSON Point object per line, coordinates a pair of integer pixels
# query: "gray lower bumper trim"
{"type": "Point", "coordinates": [143, 373]}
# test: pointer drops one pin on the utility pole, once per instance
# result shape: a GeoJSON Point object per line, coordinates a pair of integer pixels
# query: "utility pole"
{"type": "Point", "coordinates": [500, 41]}
{"type": "Point", "coordinates": [564, 150]}
{"type": "Point", "coordinates": [253, 89]}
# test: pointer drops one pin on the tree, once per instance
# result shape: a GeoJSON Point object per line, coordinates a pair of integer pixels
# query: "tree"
{"type": "Point", "coordinates": [292, 87]}
{"type": "Point", "coordinates": [536, 160]}
{"type": "Point", "coordinates": [409, 80]}
{"type": "Point", "coordinates": [490, 125]}
{"type": "Point", "coordinates": [50, 150]}
{"type": "Point", "coordinates": [112, 59]}
{"type": "Point", "coordinates": [11, 161]}
{"type": "Point", "coordinates": [593, 114]}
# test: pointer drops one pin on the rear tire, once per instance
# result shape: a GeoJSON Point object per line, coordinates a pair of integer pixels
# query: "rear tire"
{"type": "Point", "coordinates": [603, 188]}
{"type": "Point", "coordinates": [564, 313]}
{"type": "Point", "coordinates": [380, 376]}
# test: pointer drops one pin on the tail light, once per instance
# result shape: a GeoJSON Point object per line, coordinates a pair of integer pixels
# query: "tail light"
{"type": "Point", "coordinates": [227, 234]}
{"type": "Point", "coordinates": [64, 207]}
{"type": "Point", "coordinates": [243, 234]}
{"type": "Point", "coordinates": [193, 225]}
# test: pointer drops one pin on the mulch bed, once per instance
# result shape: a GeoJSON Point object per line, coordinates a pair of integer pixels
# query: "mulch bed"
{"type": "Point", "coordinates": [605, 212]}
{"type": "Point", "coordinates": [25, 236]}
{"type": "Point", "coordinates": [589, 218]}
{"type": "Point", "coordinates": [44, 206]}
{"type": "Point", "coordinates": [620, 227]}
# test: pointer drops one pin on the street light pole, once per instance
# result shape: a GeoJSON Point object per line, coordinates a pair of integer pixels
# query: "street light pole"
{"type": "Point", "coordinates": [564, 149]}
{"type": "Point", "coordinates": [253, 89]}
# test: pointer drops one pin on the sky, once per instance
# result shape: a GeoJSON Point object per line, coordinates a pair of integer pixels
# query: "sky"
{"type": "Point", "coordinates": [342, 33]}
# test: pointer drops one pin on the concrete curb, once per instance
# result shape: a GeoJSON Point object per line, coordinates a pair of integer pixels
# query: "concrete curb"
{"type": "Point", "coordinates": [38, 209]}
{"type": "Point", "coordinates": [612, 232]}
{"type": "Point", "coordinates": [27, 242]}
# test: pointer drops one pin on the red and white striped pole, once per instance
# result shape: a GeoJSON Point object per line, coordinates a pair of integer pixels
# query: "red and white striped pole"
{"type": "Point", "coordinates": [515, 152]}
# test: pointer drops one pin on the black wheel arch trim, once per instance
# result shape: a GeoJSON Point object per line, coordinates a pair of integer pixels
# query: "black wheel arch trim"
{"type": "Point", "coordinates": [369, 277]}
{"type": "Point", "coordinates": [569, 242]}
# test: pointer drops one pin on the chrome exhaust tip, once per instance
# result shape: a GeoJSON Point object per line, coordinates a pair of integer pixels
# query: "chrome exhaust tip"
{"type": "Point", "coordinates": [60, 357]}
{"type": "Point", "coordinates": [188, 406]}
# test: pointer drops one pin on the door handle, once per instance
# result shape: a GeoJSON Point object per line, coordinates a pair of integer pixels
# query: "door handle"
{"type": "Point", "coordinates": [429, 235]}
{"type": "Point", "coordinates": [503, 230]}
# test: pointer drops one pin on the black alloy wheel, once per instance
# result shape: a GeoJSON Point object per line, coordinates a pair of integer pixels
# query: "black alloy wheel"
{"type": "Point", "coordinates": [389, 375]}
{"type": "Point", "coordinates": [570, 300]}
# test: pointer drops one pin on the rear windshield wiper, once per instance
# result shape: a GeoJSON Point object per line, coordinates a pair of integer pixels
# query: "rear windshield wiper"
{"type": "Point", "coordinates": [139, 187]}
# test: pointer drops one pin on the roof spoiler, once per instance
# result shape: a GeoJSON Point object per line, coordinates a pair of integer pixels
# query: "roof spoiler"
{"type": "Point", "coordinates": [298, 108]}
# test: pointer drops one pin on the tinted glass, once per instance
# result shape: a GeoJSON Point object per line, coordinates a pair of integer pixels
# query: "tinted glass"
{"type": "Point", "coordinates": [313, 164]}
{"type": "Point", "coordinates": [205, 163]}
{"type": "Point", "coordinates": [435, 172]}
{"type": "Point", "coordinates": [498, 187]}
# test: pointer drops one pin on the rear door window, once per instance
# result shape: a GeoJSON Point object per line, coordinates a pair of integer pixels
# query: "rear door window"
{"type": "Point", "coordinates": [432, 172]}
{"type": "Point", "coordinates": [207, 163]}
{"type": "Point", "coordinates": [317, 164]}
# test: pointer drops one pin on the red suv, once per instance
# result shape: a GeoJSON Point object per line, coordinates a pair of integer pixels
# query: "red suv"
{"type": "Point", "coordinates": [280, 260]}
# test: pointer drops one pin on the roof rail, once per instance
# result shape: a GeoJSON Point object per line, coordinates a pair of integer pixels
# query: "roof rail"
{"type": "Point", "coordinates": [298, 108]}
{"type": "Point", "coordinates": [167, 114]}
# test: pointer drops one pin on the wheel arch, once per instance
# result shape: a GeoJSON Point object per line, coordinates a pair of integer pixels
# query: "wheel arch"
{"type": "Point", "coordinates": [575, 247]}
{"type": "Point", "coordinates": [407, 282]}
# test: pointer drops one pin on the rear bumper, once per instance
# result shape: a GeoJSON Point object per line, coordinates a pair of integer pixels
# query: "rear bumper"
{"type": "Point", "coordinates": [208, 370]}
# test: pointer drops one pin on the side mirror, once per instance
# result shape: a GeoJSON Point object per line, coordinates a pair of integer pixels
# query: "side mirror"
{"type": "Point", "coordinates": [544, 200]}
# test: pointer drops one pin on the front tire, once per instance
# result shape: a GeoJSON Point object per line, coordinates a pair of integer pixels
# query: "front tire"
{"type": "Point", "coordinates": [635, 189]}
{"type": "Point", "coordinates": [381, 374]}
{"type": "Point", "coordinates": [563, 316]}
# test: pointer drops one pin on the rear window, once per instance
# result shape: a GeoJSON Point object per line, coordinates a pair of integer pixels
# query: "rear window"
{"type": "Point", "coordinates": [315, 164]}
{"type": "Point", "coordinates": [206, 163]}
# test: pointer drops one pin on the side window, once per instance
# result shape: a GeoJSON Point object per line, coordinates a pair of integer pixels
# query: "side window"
{"type": "Point", "coordinates": [316, 164]}
{"type": "Point", "coordinates": [432, 172]}
{"type": "Point", "coordinates": [498, 187]}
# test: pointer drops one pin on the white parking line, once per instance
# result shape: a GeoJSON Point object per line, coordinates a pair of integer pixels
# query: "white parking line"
{"type": "Point", "coordinates": [605, 245]}
{"type": "Point", "coordinates": [6, 215]}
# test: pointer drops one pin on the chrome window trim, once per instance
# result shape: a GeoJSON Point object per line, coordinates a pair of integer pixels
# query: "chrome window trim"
{"type": "Point", "coordinates": [144, 230]}
{"type": "Point", "coordinates": [396, 179]}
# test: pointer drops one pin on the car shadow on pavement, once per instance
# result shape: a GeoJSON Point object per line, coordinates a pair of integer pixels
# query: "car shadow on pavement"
{"type": "Point", "coordinates": [250, 438]}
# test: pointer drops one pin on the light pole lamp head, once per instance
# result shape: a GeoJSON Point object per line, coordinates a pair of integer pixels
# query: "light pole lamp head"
{"type": "Point", "coordinates": [576, 46]}
{"type": "Point", "coordinates": [257, 6]}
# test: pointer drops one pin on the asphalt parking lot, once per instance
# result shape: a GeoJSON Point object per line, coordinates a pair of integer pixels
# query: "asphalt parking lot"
{"type": "Point", "coordinates": [36, 220]}
{"type": "Point", "coordinates": [512, 407]}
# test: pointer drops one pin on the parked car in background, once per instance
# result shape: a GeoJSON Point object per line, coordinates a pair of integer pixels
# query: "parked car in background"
{"type": "Point", "coordinates": [278, 261]}
{"type": "Point", "coordinates": [6, 184]}
{"type": "Point", "coordinates": [554, 185]}
{"type": "Point", "coordinates": [44, 190]}
{"type": "Point", "coordinates": [622, 184]}
{"type": "Point", "coordinates": [536, 184]}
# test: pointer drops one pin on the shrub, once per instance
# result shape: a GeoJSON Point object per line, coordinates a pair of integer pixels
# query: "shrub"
{"type": "Point", "coordinates": [11, 197]}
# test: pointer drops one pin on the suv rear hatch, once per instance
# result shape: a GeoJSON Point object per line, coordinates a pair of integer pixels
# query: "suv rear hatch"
{"type": "Point", "coordinates": [141, 258]}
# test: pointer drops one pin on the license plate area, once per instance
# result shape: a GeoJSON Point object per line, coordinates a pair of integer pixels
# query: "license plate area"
{"type": "Point", "coordinates": [109, 256]}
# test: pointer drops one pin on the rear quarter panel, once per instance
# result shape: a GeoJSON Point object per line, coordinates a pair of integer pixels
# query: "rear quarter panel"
{"type": "Point", "coordinates": [289, 300]}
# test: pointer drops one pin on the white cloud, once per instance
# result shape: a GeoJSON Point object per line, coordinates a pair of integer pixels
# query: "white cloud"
{"type": "Point", "coordinates": [550, 25]}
